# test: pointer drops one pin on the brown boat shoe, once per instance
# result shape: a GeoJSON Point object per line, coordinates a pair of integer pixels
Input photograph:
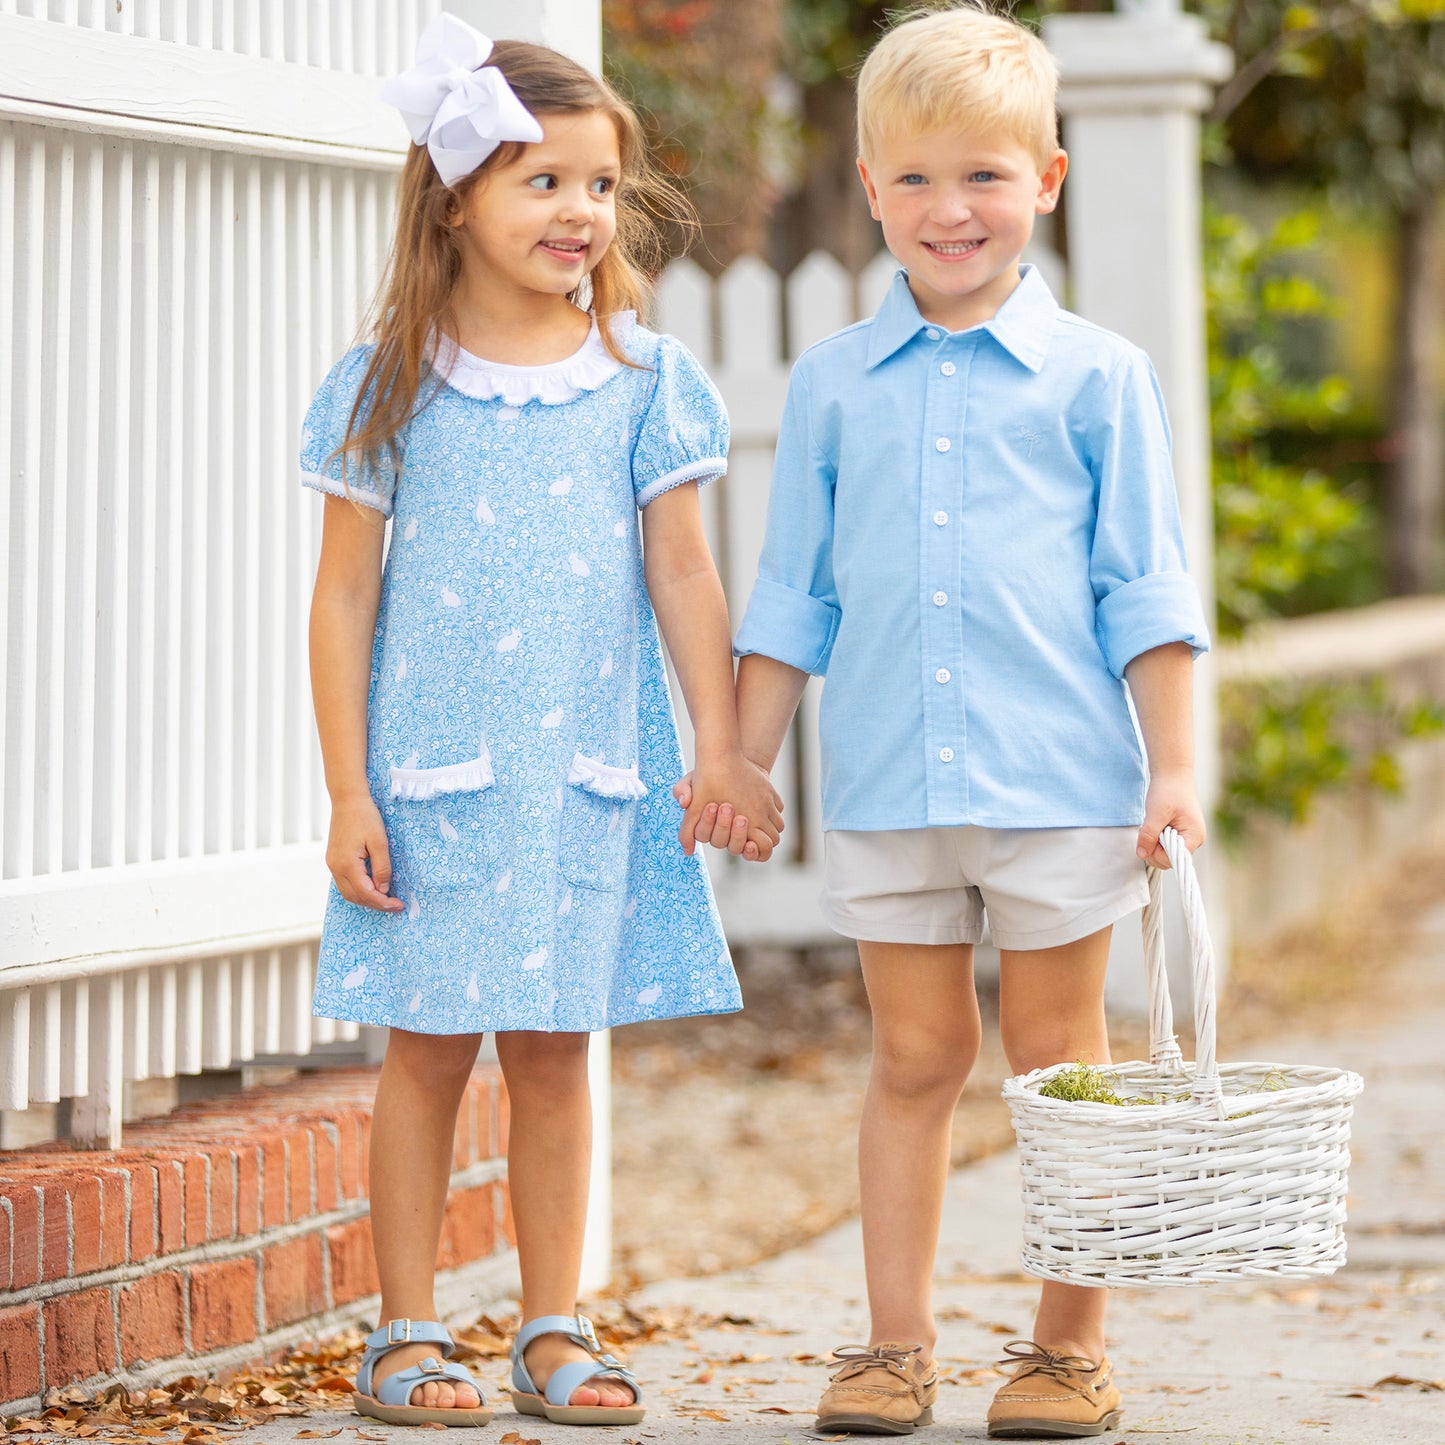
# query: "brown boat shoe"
{"type": "Point", "coordinates": [883, 1389]}
{"type": "Point", "coordinates": [1053, 1396]}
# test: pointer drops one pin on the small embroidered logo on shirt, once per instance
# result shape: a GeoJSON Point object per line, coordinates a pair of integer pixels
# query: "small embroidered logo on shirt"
{"type": "Point", "coordinates": [1033, 438]}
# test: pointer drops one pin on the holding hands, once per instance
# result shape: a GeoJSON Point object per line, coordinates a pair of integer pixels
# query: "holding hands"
{"type": "Point", "coordinates": [730, 803]}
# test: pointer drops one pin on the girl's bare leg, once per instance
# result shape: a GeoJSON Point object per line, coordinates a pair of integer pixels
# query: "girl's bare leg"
{"type": "Point", "coordinates": [549, 1168]}
{"type": "Point", "coordinates": [925, 1041]}
{"type": "Point", "coordinates": [1051, 1011]}
{"type": "Point", "coordinates": [412, 1128]}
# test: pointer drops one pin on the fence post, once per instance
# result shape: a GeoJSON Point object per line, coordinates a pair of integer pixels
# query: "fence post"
{"type": "Point", "coordinates": [1134, 85]}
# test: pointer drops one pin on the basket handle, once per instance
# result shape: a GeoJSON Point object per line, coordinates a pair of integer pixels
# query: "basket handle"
{"type": "Point", "coordinates": [1163, 1046]}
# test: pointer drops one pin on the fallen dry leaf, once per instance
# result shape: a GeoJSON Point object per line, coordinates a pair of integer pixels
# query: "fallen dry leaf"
{"type": "Point", "coordinates": [1407, 1383]}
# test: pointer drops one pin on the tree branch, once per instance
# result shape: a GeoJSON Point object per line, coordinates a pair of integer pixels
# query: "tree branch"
{"type": "Point", "coordinates": [1258, 67]}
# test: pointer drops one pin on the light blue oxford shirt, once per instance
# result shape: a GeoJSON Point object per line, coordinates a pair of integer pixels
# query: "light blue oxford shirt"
{"type": "Point", "coordinates": [972, 534]}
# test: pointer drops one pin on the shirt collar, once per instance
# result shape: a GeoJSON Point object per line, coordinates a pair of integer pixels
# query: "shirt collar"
{"type": "Point", "coordinates": [1022, 325]}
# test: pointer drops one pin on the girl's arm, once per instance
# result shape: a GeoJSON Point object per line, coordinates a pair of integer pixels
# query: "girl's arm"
{"type": "Point", "coordinates": [1161, 683]}
{"type": "Point", "coordinates": [343, 628]}
{"type": "Point", "coordinates": [687, 597]}
{"type": "Point", "coordinates": [769, 692]}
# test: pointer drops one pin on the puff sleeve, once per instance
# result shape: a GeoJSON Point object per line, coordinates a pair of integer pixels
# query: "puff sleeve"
{"type": "Point", "coordinates": [321, 434]}
{"type": "Point", "coordinates": [1143, 593]}
{"type": "Point", "coordinates": [683, 432]}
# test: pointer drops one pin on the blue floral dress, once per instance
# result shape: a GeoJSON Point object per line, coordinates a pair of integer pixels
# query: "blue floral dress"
{"type": "Point", "coordinates": [521, 742]}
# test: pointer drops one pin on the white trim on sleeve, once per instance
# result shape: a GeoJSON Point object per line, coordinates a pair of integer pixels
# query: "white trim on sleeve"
{"type": "Point", "coordinates": [322, 483]}
{"type": "Point", "coordinates": [707, 470]}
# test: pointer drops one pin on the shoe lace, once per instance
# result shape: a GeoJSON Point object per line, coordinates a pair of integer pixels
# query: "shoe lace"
{"type": "Point", "coordinates": [855, 1358]}
{"type": "Point", "coordinates": [1034, 1359]}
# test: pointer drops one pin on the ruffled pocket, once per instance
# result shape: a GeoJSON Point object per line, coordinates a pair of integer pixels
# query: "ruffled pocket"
{"type": "Point", "coordinates": [441, 822]}
{"type": "Point", "coordinates": [598, 815]}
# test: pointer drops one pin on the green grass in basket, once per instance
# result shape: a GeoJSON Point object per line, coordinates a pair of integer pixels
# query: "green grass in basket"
{"type": "Point", "coordinates": [1083, 1083]}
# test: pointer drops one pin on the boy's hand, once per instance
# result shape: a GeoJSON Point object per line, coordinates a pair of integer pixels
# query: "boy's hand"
{"type": "Point", "coordinates": [747, 824]}
{"type": "Point", "coordinates": [357, 835]}
{"type": "Point", "coordinates": [1171, 802]}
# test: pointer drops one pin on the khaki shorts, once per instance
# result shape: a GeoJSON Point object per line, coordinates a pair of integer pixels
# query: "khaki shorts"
{"type": "Point", "coordinates": [1040, 887]}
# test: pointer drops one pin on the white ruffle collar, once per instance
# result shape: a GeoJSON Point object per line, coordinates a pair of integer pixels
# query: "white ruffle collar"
{"type": "Point", "coordinates": [551, 384]}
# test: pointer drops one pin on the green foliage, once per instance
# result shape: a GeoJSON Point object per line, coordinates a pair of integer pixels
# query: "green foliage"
{"type": "Point", "coordinates": [1286, 742]}
{"type": "Point", "coordinates": [1277, 526]}
{"type": "Point", "coordinates": [1279, 529]}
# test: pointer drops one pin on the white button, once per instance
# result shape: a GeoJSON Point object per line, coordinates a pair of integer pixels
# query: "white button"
{"type": "Point", "coordinates": [945, 755]}
{"type": "Point", "coordinates": [942, 675]}
{"type": "Point", "coordinates": [940, 599]}
{"type": "Point", "coordinates": [948, 368]}
{"type": "Point", "coordinates": [931, 334]}
{"type": "Point", "coordinates": [943, 444]}
{"type": "Point", "coordinates": [940, 519]}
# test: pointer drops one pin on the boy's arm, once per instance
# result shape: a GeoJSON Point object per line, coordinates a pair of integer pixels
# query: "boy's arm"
{"type": "Point", "coordinates": [769, 692]}
{"type": "Point", "coordinates": [1161, 683]}
{"type": "Point", "coordinates": [793, 614]}
{"type": "Point", "coordinates": [687, 596]}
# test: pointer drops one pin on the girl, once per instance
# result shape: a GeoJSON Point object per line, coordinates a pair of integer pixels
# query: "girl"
{"type": "Point", "coordinates": [492, 703]}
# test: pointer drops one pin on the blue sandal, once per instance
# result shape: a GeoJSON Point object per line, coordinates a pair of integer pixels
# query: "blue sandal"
{"type": "Point", "coordinates": [566, 1378]}
{"type": "Point", "coordinates": [389, 1401]}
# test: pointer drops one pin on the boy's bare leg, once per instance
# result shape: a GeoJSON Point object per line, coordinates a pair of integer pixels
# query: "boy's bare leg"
{"type": "Point", "coordinates": [1051, 1011]}
{"type": "Point", "coordinates": [925, 1041]}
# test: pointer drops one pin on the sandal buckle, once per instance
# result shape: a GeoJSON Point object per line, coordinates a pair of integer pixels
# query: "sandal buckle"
{"type": "Point", "coordinates": [392, 1338]}
{"type": "Point", "coordinates": [584, 1328]}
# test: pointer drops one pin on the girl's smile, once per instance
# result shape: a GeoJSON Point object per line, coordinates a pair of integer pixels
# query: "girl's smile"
{"type": "Point", "coordinates": [532, 228]}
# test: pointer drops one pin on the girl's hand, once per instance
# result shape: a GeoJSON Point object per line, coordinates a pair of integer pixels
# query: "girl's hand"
{"type": "Point", "coordinates": [1171, 802]}
{"type": "Point", "coordinates": [748, 824]}
{"type": "Point", "coordinates": [357, 837]}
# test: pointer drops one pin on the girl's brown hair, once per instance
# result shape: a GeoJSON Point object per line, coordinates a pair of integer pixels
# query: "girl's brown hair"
{"type": "Point", "coordinates": [414, 299]}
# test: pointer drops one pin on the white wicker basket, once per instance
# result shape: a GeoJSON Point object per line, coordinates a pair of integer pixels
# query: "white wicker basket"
{"type": "Point", "coordinates": [1244, 1179]}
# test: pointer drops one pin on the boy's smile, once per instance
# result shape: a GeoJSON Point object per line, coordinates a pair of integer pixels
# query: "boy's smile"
{"type": "Point", "coordinates": [957, 209]}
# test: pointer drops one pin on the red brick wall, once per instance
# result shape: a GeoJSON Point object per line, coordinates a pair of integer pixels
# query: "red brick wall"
{"type": "Point", "coordinates": [215, 1228]}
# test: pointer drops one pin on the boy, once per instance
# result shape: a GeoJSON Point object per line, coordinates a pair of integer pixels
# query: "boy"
{"type": "Point", "coordinates": [973, 532]}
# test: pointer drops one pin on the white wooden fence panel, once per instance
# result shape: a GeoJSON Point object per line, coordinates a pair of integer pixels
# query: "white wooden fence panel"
{"type": "Point", "coordinates": [820, 300]}
{"type": "Point", "coordinates": [186, 240]}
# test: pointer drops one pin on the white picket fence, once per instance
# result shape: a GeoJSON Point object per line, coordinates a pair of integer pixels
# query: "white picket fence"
{"type": "Point", "coordinates": [189, 222]}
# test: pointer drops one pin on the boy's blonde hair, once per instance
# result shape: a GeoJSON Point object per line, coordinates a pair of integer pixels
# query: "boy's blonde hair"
{"type": "Point", "coordinates": [966, 68]}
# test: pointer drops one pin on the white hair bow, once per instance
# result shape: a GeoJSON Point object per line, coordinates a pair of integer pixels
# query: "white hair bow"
{"type": "Point", "coordinates": [455, 104]}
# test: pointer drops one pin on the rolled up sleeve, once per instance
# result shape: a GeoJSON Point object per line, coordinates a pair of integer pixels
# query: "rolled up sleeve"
{"type": "Point", "coordinates": [1144, 596]}
{"type": "Point", "coordinates": [794, 613]}
{"type": "Point", "coordinates": [1160, 608]}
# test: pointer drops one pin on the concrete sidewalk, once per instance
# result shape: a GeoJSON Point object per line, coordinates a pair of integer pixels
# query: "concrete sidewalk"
{"type": "Point", "coordinates": [1275, 1364]}
{"type": "Point", "coordinates": [1214, 1365]}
